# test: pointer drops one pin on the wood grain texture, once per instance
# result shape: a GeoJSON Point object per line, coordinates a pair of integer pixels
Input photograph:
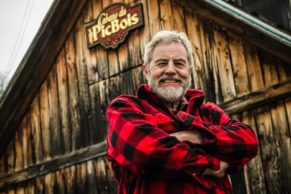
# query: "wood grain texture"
{"type": "Point", "coordinates": [269, 152]}
{"type": "Point", "coordinates": [254, 173]}
{"type": "Point", "coordinates": [65, 113]}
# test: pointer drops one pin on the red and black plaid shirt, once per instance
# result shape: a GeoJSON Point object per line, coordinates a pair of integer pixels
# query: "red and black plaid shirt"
{"type": "Point", "coordinates": [146, 160]}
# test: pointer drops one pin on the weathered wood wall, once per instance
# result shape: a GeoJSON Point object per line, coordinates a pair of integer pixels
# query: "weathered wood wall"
{"type": "Point", "coordinates": [59, 147]}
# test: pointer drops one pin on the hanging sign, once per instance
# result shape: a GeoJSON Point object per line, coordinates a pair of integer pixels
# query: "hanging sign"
{"type": "Point", "coordinates": [113, 24]}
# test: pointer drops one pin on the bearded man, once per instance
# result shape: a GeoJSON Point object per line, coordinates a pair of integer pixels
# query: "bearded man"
{"type": "Point", "coordinates": [166, 140]}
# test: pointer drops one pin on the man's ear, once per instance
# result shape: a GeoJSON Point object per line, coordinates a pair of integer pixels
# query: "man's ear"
{"type": "Point", "coordinates": [145, 70]}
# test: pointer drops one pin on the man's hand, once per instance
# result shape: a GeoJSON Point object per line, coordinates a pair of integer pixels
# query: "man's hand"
{"type": "Point", "coordinates": [191, 136]}
{"type": "Point", "coordinates": [217, 173]}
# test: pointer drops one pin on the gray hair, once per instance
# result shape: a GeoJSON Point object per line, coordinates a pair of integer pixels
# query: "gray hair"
{"type": "Point", "coordinates": [167, 37]}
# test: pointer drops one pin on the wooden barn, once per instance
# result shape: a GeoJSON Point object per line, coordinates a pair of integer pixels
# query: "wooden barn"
{"type": "Point", "coordinates": [52, 125]}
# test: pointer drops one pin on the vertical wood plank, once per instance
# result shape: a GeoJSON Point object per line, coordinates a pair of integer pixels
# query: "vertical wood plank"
{"type": "Point", "coordinates": [269, 151]}
{"type": "Point", "coordinates": [87, 15]}
{"type": "Point", "coordinates": [288, 138]}
{"type": "Point", "coordinates": [113, 65]}
{"type": "Point", "coordinates": [103, 90]}
{"type": "Point", "coordinates": [288, 112]}
{"type": "Point", "coordinates": [126, 83]}
{"type": "Point", "coordinates": [112, 186]}
{"type": "Point", "coordinates": [99, 125]}
{"type": "Point", "coordinates": [37, 144]}
{"type": "Point", "coordinates": [254, 172]}
{"type": "Point", "coordinates": [166, 15]}
{"type": "Point", "coordinates": [19, 190]}
{"type": "Point", "coordinates": [94, 114]}
{"type": "Point", "coordinates": [90, 54]}
{"type": "Point", "coordinates": [211, 79]}
{"type": "Point", "coordinates": [270, 73]}
{"type": "Point", "coordinates": [101, 176]}
{"type": "Point", "coordinates": [65, 113]}
{"type": "Point", "coordinates": [3, 165]}
{"type": "Point", "coordinates": [44, 121]}
{"type": "Point", "coordinates": [11, 191]}
{"type": "Point", "coordinates": [10, 163]}
{"type": "Point", "coordinates": [93, 69]}
{"type": "Point", "coordinates": [123, 57]}
{"type": "Point", "coordinates": [40, 185]}
{"type": "Point", "coordinates": [101, 54]}
{"type": "Point", "coordinates": [178, 18]}
{"type": "Point", "coordinates": [81, 177]}
{"type": "Point", "coordinates": [123, 50]}
{"type": "Point", "coordinates": [19, 146]}
{"type": "Point", "coordinates": [239, 64]}
{"type": "Point", "coordinates": [280, 124]}
{"type": "Point", "coordinates": [113, 62]}
{"type": "Point", "coordinates": [102, 63]}
{"type": "Point", "coordinates": [70, 178]}
{"type": "Point", "coordinates": [49, 181]}
{"type": "Point", "coordinates": [92, 185]}
{"type": "Point", "coordinates": [54, 113]}
{"type": "Point", "coordinates": [137, 78]}
{"type": "Point", "coordinates": [224, 65]}
{"type": "Point", "coordinates": [254, 68]}
{"type": "Point", "coordinates": [134, 46]}
{"type": "Point", "coordinates": [27, 141]}
{"type": "Point", "coordinates": [284, 69]}
{"type": "Point", "coordinates": [153, 15]}
{"type": "Point", "coordinates": [124, 53]}
{"type": "Point", "coordinates": [114, 87]}
{"type": "Point", "coordinates": [60, 182]}
{"type": "Point", "coordinates": [30, 187]}
{"type": "Point", "coordinates": [194, 34]}
{"type": "Point", "coordinates": [144, 33]}
{"type": "Point", "coordinates": [85, 104]}
{"type": "Point", "coordinates": [73, 92]}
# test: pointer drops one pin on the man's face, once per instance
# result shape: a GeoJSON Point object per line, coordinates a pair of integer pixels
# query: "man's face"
{"type": "Point", "coordinates": [168, 72]}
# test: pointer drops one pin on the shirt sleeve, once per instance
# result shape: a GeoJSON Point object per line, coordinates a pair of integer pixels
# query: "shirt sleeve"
{"type": "Point", "coordinates": [137, 143]}
{"type": "Point", "coordinates": [225, 138]}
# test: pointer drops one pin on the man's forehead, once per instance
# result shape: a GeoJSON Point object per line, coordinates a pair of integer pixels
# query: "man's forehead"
{"type": "Point", "coordinates": [163, 49]}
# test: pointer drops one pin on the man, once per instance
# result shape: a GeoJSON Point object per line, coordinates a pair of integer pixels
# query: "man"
{"type": "Point", "coordinates": [166, 140]}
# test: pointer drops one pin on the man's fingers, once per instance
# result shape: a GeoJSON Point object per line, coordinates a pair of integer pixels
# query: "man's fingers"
{"type": "Point", "coordinates": [190, 136]}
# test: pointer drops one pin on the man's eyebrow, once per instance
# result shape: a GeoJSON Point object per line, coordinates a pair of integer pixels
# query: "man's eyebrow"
{"type": "Point", "coordinates": [180, 60]}
{"type": "Point", "coordinates": [161, 59]}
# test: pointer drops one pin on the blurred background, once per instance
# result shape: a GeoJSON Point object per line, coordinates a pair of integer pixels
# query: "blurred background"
{"type": "Point", "coordinates": [19, 21]}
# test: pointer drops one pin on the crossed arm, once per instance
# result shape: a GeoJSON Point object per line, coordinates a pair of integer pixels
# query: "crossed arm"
{"type": "Point", "coordinates": [136, 142]}
{"type": "Point", "coordinates": [194, 137]}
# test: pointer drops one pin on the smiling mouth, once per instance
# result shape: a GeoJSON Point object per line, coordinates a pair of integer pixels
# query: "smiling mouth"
{"type": "Point", "coordinates": [170, 81]}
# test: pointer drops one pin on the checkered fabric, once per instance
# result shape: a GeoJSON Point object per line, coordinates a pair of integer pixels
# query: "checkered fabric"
{"type": "Point", "coordinates": [147, 160]}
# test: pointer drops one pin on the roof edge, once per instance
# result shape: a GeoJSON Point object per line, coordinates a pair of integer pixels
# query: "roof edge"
{"type": "Point", "coordinates": [260, 33]}
{"type": "Point", "coordinates": [252, 21]}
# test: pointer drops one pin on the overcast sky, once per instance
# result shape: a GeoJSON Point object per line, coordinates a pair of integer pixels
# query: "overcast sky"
{"type": "Point", "coordinates": [19, 22]}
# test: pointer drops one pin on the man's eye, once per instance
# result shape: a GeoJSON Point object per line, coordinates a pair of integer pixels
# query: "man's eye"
{"type": "Point", "coordinates": [162, 63]}
{"type": "Point", "coordinates": [178, 64]}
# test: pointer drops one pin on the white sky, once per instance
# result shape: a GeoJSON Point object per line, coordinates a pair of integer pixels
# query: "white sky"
{"type": "Point", "coordinates": [19, 22]}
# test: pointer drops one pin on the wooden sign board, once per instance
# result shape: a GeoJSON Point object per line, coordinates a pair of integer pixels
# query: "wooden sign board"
{"type": "Point", "coordinates": [113, 24]}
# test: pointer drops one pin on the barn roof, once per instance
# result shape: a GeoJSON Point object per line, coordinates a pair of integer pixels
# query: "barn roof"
{"type": "Point", "coordinates": [62, 16]}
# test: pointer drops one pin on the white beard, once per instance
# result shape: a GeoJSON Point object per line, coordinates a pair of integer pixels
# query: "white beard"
{"type": "Point", "coordinates": [170, 94]}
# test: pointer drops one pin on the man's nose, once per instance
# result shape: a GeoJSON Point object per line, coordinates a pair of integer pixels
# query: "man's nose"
{"type": "Point", "coordinates": [170, 68]}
